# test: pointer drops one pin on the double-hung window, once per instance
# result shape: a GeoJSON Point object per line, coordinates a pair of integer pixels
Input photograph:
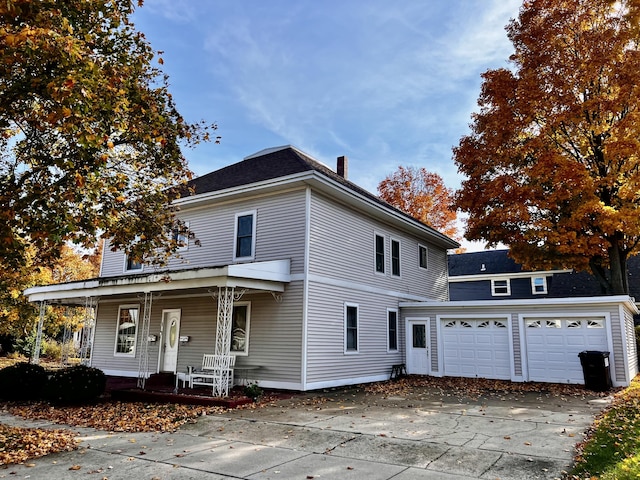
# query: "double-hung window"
{"type": "Point", "coordinates": [127, 330]}
{"type": "Point", "coordinates": [245, 236]}
{"type": "Point", "coordinates": [423, 256]}
{"type": "Point", "coordinates": [395, 258]}
{"type": "Point", "coordinates": [240, 321]}
{"type": "Point", "coordinates": [538, 285]}
{"type": "Point", "coordinates": [132, 265]}
{"type": "Point", "coordinates": [392, 330]}
{"type": "Point", "coordinates": [350, 328]}
{"type": "Point", "coordinates": [178, 235]}
{"type": "Point", "coordinates": [500, 287]}
{"type": "Point", "coordinates": [379, 260]}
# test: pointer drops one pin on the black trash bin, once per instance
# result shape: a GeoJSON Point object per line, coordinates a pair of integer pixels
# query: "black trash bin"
{"type": "Point", "coordinates": [595, 366]}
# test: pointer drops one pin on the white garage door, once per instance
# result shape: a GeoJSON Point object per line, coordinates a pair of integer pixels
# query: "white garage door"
{"type": "Point", "coordinates": [476, 348]}
{"type": "Point", "coordinates": [553, 345]}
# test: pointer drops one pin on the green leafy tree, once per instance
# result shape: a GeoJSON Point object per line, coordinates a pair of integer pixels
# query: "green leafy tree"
{"type": "Point", "coordinates": [90, 137]}
{"type": "Point", "coordinates": [552, 161]}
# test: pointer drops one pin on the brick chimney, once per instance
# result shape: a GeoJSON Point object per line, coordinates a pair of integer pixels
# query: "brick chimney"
{"type": "Point", "coordinates": [342, 167]}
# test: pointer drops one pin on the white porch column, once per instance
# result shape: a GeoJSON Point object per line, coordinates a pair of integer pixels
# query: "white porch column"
{"type": "Point", "coordinates": [35, 358]}
{"type": "Point", "coordinates": [143, 366]}
{"type": "Point", "coordinates": [88, 329]}
{"type": "Point", "coordinates": [224, 320]}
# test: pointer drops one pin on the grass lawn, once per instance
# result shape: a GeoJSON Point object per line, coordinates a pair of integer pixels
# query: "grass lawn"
{"type": "Point", "coordinates": [612, 449]}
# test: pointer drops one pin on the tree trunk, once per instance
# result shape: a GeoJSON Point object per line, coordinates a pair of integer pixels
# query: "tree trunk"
{"type": "Point", "coordinates": [619, 277]}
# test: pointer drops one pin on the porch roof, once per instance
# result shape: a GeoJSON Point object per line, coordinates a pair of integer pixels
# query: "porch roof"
{"type": "Point", "coordinates": [271, 276]}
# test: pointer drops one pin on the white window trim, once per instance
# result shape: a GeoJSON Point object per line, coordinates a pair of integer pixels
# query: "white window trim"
{"type": "Point", "coordinates": [135, 340]}
{"type": "Point", "coordinates": [395, 310]}
{"type": "Point", "coordinates": [493, 287]}
{"type": "Point", "coordinates": [375, 253]}
{"type": "Point", "coordinates": [391, 241]}
{"type": "Point", "coordinates": [533, 285]}
{"type": "Point", "coordinates": [247, 333]}
{"type": "Point", "coordinates": [357, 307]}
{"type": "Point", "coordinates": [253, 235]}
{"type": "Point", "coordinates": [420, 245]}
{"type": "Point", "coordinates": [129, 270]}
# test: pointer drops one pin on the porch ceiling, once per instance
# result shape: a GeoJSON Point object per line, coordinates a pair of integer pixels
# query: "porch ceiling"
{"type": "Point", "coordinates": [269, 276]}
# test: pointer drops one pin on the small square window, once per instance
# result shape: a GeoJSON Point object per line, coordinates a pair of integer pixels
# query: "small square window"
{"type": "Point", "coordinates": [500, 288]}
{"type": "Point", "coordinates": [423, 255]}
{"type": "Point", "coordinates": [132, 265]}
{"type": "Point", "coordinates": [178, 235]}
{"type": "Point", "coordinates": [538, 285]}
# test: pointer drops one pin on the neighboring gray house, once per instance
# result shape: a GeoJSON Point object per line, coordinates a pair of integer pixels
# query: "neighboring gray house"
{"type": "Point", "coordinates": [309, 268]}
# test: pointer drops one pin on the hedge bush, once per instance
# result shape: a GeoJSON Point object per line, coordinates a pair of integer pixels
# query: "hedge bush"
{"type": "Point", "coordinates": [22, 381]}
{"type": "Point", "coordinates": [77, 384]}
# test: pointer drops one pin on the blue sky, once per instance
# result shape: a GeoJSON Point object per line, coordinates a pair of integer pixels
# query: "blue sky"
{"type": "Point", "coordinates": [384, 83]}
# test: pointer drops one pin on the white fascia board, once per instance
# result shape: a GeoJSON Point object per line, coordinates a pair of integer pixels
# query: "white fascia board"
{"type": "Point", "coordinates": [493, 276]}
{"type": "Point", "coordinates": [269, 276]}
{"type": "Point", "coordinates": [567, 301]}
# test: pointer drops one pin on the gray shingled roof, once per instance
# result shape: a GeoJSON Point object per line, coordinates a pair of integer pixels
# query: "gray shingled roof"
{"type": "Point", "coordinates": [275, 163]}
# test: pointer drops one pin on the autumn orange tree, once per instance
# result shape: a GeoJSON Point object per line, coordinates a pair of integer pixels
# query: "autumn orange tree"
{"type": "Point", "coordinates": [552, 161]}
{"type": "Point", "coordinates": [90, 138]}
{"type": "Point", "coordinates": [18, 317]}
{"type": "Point", "coordinates": [423, 195]}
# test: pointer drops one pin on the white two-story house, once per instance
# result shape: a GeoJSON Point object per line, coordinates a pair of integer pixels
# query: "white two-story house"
{"type": "Point", "coordinates": [310, 268]}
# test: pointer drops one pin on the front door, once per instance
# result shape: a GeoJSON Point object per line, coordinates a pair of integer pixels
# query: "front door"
{"type": "Point", "coordinates": [171, 340]}
{"type": "Point", "coordinates": [418, 346]}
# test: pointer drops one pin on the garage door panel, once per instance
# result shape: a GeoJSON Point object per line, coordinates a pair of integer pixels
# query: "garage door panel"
{"type": "Point", "coordinates": [476, 348]}
{"type": "Point", "coordinates": [552, 353]}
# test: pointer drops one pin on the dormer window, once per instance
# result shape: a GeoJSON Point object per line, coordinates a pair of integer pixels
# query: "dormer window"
{"type": "Point", "coordinates": [500, 288]}
{"type": "Point", "coordinates": [538, 285]}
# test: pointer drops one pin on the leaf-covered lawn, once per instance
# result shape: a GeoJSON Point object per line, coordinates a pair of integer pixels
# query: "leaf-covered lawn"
{"type": "Point", "coordinates": [20, 444]}
{"type": "Point", "coordinates": [116, 416]}
{"type": "Point", "coordinates": [612, 448]}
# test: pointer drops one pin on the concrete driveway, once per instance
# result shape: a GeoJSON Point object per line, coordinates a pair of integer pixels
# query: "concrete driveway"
{"type": "Point", "coordinates": [344, 434]}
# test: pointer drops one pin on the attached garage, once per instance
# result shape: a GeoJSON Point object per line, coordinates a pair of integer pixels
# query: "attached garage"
{"type": "Point", "coordinates": [526, 340]}
{"type": "Point", "coordinates": [553, 345]}
{"type": "Point", "coordinates": [476, 348]}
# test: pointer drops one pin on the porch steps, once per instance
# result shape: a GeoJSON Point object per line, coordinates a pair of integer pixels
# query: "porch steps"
{"type": "Point", "coordinates": [163, 381]}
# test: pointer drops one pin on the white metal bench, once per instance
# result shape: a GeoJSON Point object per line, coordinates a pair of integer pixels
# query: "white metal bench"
{"type": "Point", "coordinates": [214, 367]}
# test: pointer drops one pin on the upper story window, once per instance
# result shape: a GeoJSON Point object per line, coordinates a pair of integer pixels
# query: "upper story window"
{"type": "Point", "coordinates": [127, 330]}
{"type": "Point", "coordinates": [392, 330]}
{"type": "Point", "coordinates": [180, 238]}
{"type": "Point", "coordinates": [245, 236]}
{"type": "Point", "coordinates": [500, 287]}
{"type": "Point", "coordinates": [423, 256]}
{"type": "Point", "coordinates": [350, 328]}
{"type": "Point", "coordinates": [240, 320]}
{"type": "Point", "coordinates": [379, 254]}
{"type": "Point", "coordinates": [538, 285]}
{"type": "Point", "coordinates": [132, 265]}
{"type": "Point", "coordinates": [395, 258]}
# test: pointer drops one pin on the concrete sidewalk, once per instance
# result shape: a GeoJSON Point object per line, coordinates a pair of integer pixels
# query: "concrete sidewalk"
{"type": "Point", "coordinates": [348, 436]}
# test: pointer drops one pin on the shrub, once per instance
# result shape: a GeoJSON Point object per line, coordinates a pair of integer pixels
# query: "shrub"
{"type": "Point", "coordinates": [51, 349]}
{"type": "Point", "coordinates": [22, 381]}
{"type": "Point", "coordinates": [253, 391]}
{"type": "Point", "coordinates": [77, 384]}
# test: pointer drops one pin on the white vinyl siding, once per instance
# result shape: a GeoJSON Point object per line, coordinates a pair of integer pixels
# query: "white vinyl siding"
{"type": "Point", "coordinates": [357, 251]}
{"type": "Point", "coordinates": [280, 233]}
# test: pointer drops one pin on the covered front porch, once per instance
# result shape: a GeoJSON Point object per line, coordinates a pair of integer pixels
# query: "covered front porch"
{"type": "Point", "coordinates": [148, 310]}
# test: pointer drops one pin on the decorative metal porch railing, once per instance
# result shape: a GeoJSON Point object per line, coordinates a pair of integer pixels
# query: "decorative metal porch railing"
{"type": "Point", "coordinates": [35, 358]}
{"type": "Point", "coordinates": [88, 330]}
{"type": "Point", "coordinates": [143, 367]}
